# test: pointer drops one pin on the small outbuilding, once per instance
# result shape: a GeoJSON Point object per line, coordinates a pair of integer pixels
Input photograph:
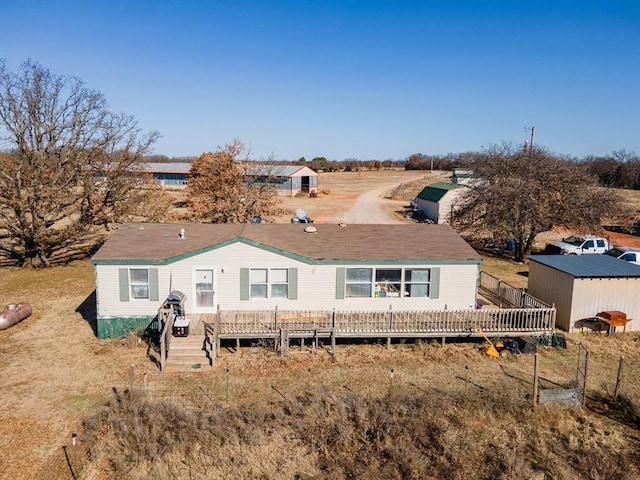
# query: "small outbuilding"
{"type": "Point", "coordinates": [288, 180]}
{"type": "Point", "coordinates": [583, 286]}
{"type": "Point", "coordinates": [437, 201]}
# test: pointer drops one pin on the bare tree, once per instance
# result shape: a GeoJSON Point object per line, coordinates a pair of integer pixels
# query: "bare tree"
{"type": "Point", "coordinates": [70, 167]}
{"type": "Point", "coordinates": [224, 188]}
{"type": "Point", "coordinates": [520, 194]}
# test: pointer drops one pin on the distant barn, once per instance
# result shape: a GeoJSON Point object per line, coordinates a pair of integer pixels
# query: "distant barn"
{"type": "Point", "coordinates": [288, 180]}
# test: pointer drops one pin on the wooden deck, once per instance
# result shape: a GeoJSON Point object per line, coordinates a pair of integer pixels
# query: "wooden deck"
{"type": "Point", "coordinates": [526, 316]}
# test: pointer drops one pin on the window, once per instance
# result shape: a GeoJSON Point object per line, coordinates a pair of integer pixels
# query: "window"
{"type": "Point", "coordinates": [391, 282]}
{"type": "Point", "coordinates": [269, 283]}
{"type": "Point", "coordinates": [258, 281]}
{"type": "Point", "coordinates": [417, 282]}
{"type": "Point", "coordinates": [600, 243]}
{"type": "Point", "coordinates": [388, 283]}
{"type": "Point", "coordinates": [358, 283]}
{"type": "Point", "coordinates": [279, 283]}
{"type": "Point", "coordinates": [139, 283]}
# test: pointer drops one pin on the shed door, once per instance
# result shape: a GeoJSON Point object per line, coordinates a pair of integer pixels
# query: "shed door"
{"type": "Point", "coordinates": [204, 291]}
{"type": "Point", "coordinates": [305, 184]}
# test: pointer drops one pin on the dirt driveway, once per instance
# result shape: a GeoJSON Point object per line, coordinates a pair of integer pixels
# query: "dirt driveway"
{"type": "Point", "coordinates": [360, 197]}
{"type": "Point", "coordinates": [374, 208]}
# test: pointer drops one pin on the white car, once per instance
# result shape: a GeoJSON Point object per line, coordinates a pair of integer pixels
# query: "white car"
{"type": "Point", "coordinates": [629, 254]}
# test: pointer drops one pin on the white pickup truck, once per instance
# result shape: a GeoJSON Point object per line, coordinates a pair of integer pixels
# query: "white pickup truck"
{"type": "Point", "coordinates": [578, 245]}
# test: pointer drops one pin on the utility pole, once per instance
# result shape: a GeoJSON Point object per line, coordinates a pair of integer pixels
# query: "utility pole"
{"type": "Point", "coordinates": [533, 134]}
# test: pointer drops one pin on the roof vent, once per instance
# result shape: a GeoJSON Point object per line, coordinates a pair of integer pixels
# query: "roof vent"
{"type": "Point", "coordinates": [310, 229]}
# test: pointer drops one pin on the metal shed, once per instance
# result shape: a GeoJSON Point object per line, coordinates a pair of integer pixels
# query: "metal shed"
{"type": "Point", "coordinates": [582, 286]}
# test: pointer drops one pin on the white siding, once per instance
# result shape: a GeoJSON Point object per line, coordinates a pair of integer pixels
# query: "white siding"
{"type": "Point", "coordinates": [446, 205]}
{"type": "Point", "coordinates": [428, 209]}
{"type": "Point", "coordinates": [316, 285]}
{"type": "Point", "coordinates": [594, 295]}
{"type": "Point", "coordinates": [554, 288]}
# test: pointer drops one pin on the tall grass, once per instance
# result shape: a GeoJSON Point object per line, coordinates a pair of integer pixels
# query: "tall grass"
{"type": "Point", "coordinates": [335, 435]}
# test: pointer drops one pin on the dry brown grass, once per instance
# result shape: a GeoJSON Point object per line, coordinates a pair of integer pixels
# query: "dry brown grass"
{"type": "Point", "coordinates": [448, 412]}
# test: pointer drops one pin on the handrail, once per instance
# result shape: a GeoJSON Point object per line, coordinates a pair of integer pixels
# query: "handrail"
{"type": "Point", "coordinates": [165, 318]}
{"type": "Point", "coordinates": [514, 296]}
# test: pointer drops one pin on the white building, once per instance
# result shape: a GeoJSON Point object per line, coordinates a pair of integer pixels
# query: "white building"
{"type": "Point", "coordinates": [286, 266]}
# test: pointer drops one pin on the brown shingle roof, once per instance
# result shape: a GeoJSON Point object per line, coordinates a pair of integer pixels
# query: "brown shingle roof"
{"type": "Point", "coordinates": [160, 242]}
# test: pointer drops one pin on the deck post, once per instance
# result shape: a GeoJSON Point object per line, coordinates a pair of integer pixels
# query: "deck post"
{"type": "Point", "coordinates": [284, 342]}
{"type": "Point", "coordinates": [237, 346]}
{"type": "Point", "coordinates": [275, 319]}
{"type": "Point", "coordinates": [333, 342]}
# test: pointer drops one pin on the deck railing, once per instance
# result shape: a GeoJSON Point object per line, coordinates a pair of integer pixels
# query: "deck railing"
{"type": "Point", "coordinates": [233, 324]}
{"type": "Point", "coordinates": [510, 295]}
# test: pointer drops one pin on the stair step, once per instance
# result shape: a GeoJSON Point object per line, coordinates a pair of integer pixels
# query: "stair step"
{"type": "Point", "coordinates": [188, 361]}
{"type": "Point", "coordinates": [187, 368]}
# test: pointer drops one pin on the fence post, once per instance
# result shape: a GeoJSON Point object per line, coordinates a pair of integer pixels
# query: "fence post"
{"type": "Point", "coordinates": [586, 372]}
{"type": "Point", "coordinates": [535, 380]}
{"type": "Point", "coordinates": [618, 379]}
{"type": "Point", "coordinates": [389, 323]}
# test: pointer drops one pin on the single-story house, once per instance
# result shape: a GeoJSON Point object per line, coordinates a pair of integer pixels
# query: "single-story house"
{"type": "Point", "coordinates": [286, 266]}
{"type": "Point", "coordinates": [288, 180]}
{"type": "Point", "coordinates": [582, 286]}
{"type": "Point", "coordinates": [437, 201]}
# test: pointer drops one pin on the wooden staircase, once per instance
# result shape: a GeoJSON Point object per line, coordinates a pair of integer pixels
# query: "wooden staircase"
{"type": "Point", "coordinates": [189, 354]}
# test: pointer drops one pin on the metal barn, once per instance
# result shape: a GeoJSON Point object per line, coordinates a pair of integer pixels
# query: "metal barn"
{"type": "Point", "coordinates": [583, 286]}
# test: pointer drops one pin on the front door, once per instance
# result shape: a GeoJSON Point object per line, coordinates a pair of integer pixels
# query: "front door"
{"type": "Point", "coordinates": [204, 290]}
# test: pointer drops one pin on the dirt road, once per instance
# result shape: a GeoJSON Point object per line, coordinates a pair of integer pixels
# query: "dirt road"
{"type": "Point", "coordinates": [373, 208]}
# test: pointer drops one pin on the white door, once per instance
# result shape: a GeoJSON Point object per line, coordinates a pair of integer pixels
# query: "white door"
{"type": "Point", "coordinates": [204, 291]}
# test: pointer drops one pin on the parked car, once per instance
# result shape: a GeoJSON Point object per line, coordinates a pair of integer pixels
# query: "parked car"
{"type": "Point", "coordinates": [629, 254]}
{"type": "Point", "coordinates": [304, 219]}
{"type": "Point", "coordinates": [578, 245]}
{"type": "Point", "coordinates": [300, 217]}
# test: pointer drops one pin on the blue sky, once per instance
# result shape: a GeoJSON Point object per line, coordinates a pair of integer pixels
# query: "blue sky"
{"type": "Point", "coordinates": [349, 79]}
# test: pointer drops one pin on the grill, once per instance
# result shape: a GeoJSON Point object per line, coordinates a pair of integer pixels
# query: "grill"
{"type": "Point", "coordinates": [176, 300]}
